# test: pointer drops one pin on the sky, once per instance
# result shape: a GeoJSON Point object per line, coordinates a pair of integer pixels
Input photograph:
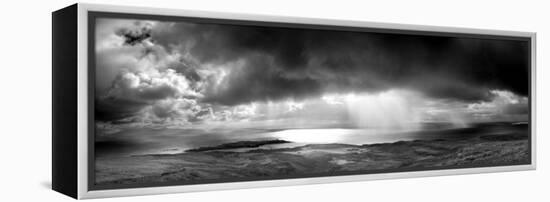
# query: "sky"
{"type": "Point", "coordinates": [161, 74]}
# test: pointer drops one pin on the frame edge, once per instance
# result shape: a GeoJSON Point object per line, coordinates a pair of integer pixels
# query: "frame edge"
{"type": "Point", "coordinates": [64, 115]}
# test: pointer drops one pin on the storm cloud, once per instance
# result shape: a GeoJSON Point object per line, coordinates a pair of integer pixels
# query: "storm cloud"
{"type": "Point", "coordinates": [313, 61]}
{"type": "Point", "coordinates": [159, 72]}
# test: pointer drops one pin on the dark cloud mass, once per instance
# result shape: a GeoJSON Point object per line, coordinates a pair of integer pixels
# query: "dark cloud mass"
{"type": "Point", "coordinates": [282, 62]}
{"type": "Point", "coordinates": [134, 36]}
{"type": "Point", "coordinates": [259, 80]}
{"type": "Point", "coordinates": [156, 72]}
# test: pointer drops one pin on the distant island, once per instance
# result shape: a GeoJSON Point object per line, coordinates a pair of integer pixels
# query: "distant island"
{"type": "Point", "coordinates": [237, 145]}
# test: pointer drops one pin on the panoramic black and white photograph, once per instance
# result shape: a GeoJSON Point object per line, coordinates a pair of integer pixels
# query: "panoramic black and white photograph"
{"type": "Point", "coordinates": [190, 102]}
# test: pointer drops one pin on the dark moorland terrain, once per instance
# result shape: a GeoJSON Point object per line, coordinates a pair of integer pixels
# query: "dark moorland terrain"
{"type": "Point", "coordinates": [219, 162]}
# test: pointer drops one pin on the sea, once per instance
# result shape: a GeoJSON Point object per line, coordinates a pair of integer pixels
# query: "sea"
{"type": "Point", "coordinates": [172, 141]}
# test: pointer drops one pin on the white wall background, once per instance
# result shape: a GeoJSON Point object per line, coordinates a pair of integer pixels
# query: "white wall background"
{"type": "Point", "coordinates": [25, 90]}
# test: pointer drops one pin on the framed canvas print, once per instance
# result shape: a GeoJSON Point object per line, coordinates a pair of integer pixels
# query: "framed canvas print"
{"type": "Point", "coordinates": [149, 101]}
